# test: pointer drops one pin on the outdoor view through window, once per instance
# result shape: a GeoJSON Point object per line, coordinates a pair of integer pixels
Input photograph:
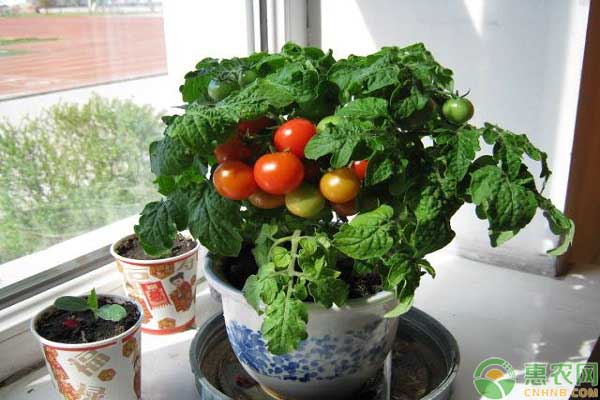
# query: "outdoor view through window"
{"type": "Point", "coordinates": [74, 130]}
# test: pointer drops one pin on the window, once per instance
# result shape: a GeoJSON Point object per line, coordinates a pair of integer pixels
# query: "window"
{"type": "Point", "coordinates": [82, 88]}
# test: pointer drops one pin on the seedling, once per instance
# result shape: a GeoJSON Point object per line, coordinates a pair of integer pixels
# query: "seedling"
{"type": "Point", "coordinates": [108, 312]}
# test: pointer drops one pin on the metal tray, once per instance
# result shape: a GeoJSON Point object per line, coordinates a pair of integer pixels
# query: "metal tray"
{"type": "Point", "coordinates": [422, 365]}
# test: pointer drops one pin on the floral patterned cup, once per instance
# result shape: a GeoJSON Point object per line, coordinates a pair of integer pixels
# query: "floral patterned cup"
{"type": "Point", "coordinates": [165, 288]}
{"type": "Point", "coordinates": [107, 369]}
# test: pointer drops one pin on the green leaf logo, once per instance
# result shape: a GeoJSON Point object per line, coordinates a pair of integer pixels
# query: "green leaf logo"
{"type": "Point", "coordinates": [494, 378]}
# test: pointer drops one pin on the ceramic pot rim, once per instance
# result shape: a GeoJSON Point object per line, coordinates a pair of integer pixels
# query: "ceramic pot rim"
{"type": "Point", "coordinates": [133, 261]}
{"type": "Point", "coordinates": [122, 337]}
{"type": "Point", "coordinates": [227, 290]}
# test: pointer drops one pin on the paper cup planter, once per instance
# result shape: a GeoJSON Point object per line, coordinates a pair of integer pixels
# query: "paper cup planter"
{"type": "Point", "coordinates": [106, 369]}
{"type": "Point", "coordinates": [165, 288]}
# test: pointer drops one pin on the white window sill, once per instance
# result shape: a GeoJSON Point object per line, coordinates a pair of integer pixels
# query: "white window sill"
{"type": "Point", "coordinates": [491, 311]}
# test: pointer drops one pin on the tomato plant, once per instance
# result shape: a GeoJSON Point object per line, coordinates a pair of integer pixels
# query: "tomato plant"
{"type": "Point", "coordinates": [458, 110]}
{"type": "Point", "coordinates": [278, 173]}
{"type": "Point", "coordinates": [306, 201]}
{"type": "Point", "coordinates": [340, 185]}
{"type": "Point", "coordinates": [264, 200]}
{"type": "Point", "coordinates": [398, 109]}
{"type": "Point", "coordinates": [233, 149]}
{"type": "Point", "coordinates": [293, 136]}
{"type": "Point", "coordinates": [360, 168]}
{"type": "Point", "coordinates": [234, 180]}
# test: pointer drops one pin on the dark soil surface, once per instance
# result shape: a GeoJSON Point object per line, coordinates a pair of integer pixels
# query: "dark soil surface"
{"type": "Point", "coordinates": [81, 327]}
{"type": "Point", "coordinates": [238, 269]}
{"type": "Point", "coordinates": [131, 248]}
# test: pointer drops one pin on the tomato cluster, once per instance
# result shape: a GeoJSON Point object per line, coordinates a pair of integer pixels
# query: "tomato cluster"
{"type": "Point", "coordinates": [285, 177]}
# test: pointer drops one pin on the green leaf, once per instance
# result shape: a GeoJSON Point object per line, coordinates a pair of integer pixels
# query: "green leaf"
{"type": "Point", "coordinates": [339, 140]}
{"type": "Point", "coordinates": [559, 225]}
{"type": "Point", "coordinates": [329, 291]}
{"type": "Point", "coordinates": [368, 108]}
{"type": "Point", "coordinates": [427, 267]}
{"type": "Point", "coordinates": [508, 205]}
{"type": "Point", "coordinates": [251, 292]}
{"type": "Point", "coordinates": [284, 325]}
{"type": "Point", "coordinates": [379, 169]}
{"type": "Point", "coordinates": [112, 312]}
{"type": "Point", "coordinates": [459, 150]}
{"type": "Point", "coordinates": [156, 229]}
{"type": "Point", "coordinates": [169, 156]}
{"type": "Point", "coordinates": [71, 303]}
{"type": "Point", "coordinates": [415, 101]}
{"type": "Point", "coordinates": [215, 221]}
{"type": "Point", "coordinates": [92, 300]}
{"type": "Point", "coordinates": [510, 147]}
{"type": "Point", "coordinates": [268, 289]}
{"type": "Point", "coordinates": [281, 257]}
{"type": "Point", "coordinates": [366, 236]}
{"type": "Point", "coordinates": [404, 305]}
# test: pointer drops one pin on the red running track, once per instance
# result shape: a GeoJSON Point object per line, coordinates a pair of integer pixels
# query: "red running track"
{"type": "Point", "coordinates": [90, 50]}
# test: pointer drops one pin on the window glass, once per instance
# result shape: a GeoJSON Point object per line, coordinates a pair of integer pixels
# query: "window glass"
{"type": "Point", "coordinates": [82, 87]}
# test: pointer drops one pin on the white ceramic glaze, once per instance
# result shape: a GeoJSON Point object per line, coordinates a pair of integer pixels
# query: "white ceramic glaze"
{"type": "Point", "coordinates": [106, 369]}
{"type": "Point", "coordinates": [345, 346]}
{"type": "Point", "coordinates": [165, 288]}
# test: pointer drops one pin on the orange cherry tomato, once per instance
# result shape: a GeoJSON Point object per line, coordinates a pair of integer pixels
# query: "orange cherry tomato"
{"type": "Point", "coordinates": [293, 135]}
{"type": "Point", "coordinates": [340, 185]}
{"type": "Point", "coordinates": [360, 168]}
{"type": "Point", "coordinates": [253, 126]}
{"type": "Point", "coordinates": [234, 180]}
{"type": "Point", "coordinates": [233, 149]}
{"type": "Point", "coordinates": [345, 209]}
{"type": "Point", "coordinates": [278, 173]}
{"type": "Point", "coordinates": [264, 200]}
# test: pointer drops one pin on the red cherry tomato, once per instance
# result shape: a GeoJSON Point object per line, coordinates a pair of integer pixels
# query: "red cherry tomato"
{"type": "Point", "coordinates": [293, 136]}
{"type": "Point", "coordinates": [345, 209]}
{"type": "Point", "coordinates": [340, 185]}
{"type": "Point", "coordinates": [260, 199]}
{"type": "Point", "coordinates": [233, 149]}
{"type": "Point", "coordinates": [360, 168]}
{"type": "Point", "coordinates": [311, 171]}
{"type": "Point", "coordinates": [234, 180]}
{"type": "Point", "coordinates": [278, 173]}
{"type": "Point", "coordinates": [253, 126]}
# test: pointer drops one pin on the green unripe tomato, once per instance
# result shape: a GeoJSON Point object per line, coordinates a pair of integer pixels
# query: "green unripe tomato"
{"type": "Point", "coordinates": [218, 89]}
{"type": "Point", "coordinates": [458, 111]}
{"type": "Point", "coordinates": [305, 202]}
{"type": "Point", "coordinates": [332, 119]}
{"type": "Point", "coordinates": [246, 77]}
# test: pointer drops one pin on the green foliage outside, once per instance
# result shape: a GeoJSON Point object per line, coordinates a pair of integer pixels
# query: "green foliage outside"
{"type": "Point", "coordinates": [71, 169]}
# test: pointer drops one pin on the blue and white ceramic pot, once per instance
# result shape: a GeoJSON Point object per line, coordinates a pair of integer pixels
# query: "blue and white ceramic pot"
{"type": "Point", "coordinates": [345, 346]}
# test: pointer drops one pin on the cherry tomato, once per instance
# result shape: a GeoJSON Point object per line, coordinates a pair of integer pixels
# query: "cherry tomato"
{"type": "Point", "coordinates": [278, 173]}
{"type": "Point", "coordinates": [458, 111]}
{"type": "Point", "coordinates": [260, 199]}
{"type": "Point", "coordinates": [253, 126]}
{"type": "Point", "coordinates": [233, 149]}
{"type": "Point", "coordinates": [332, 119]}
{"type": "Point", "coordinates": [246, 77]}
{"type": "Point", "coordinates": [305, 202]}
{"type": "Point", "coordinates": [234, 180]}
{"type": "Point", "coordinates": [340, 185]}
{"type": "Point", "coordinates": [311, 171]}
{"type": "Point", "coordinates": [360, 168]}
{"type": "Point", "coordinates": [218, 89]}
{"type": "Point", "coordinates": [345, 209]}
{"type": "Point", "coordinates": [293, 135]}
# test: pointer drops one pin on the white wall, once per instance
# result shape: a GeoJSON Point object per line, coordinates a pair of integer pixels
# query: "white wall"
{"type": "Point", "coordinates": [521, 60]}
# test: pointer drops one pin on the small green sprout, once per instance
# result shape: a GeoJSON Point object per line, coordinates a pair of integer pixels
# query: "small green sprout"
{"type": "Point", "coordinates": [109, 312]}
